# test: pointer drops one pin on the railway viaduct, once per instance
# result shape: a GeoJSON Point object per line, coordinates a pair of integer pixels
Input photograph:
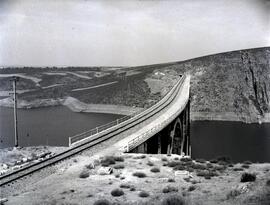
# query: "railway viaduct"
{"type": "Point", "coordinates": [162, 128]}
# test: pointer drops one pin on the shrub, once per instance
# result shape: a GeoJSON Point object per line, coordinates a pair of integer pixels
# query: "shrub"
{"type": "Point", "coordinates": [233, 193]}
{"type": "Point", "coordinates": [246, 166]}
{"type": "Point", "coordinates": [169, 189]}
{"type": "Point", "coordinates": [117, 192]}
{"type": "Point", "coordinates": [132, 189]}
{"type": "Point", "coordinates": [171, 180]}
{"type": "Point", "coordinates": [125, 186]}
{"type": "Point", "coordinates": [179, 167]}
{"type": "Point", "coordinates": [186, 159]}
{"type": "Point", "coordinates": [247, 162]}
{"type": "Point", "coordinates": [118, 159]}
{"type": "Point", "coordinates": [173, 200]}
{"type": "Point", "coordinates": [102, 202]}
{"type": "Point", "coordinates": [200, 160]}
{"type": "Point", "coordinates": [90, 166]}
{"type": "Point", "coordinates": [176, 158]}
{"type": "Point", "coordinates": [187, 179]}
{"type": "Point", "coordinates": [214, 161]}
{"type": "Point", "coordinates": [174, 163]}
{"type": "Point", "coordinates": [206, 174]}
{"type": "Point", "coordinates": [119, 166]}
{"type": "Point", "coordinates": [268, 182]}
{"type": "Point", "coordinates": [164, 159]}
{"type": "Point", "coordinates": [139, 174]}
{"type": "Point", "coordinates": [199, 166]}
{"type": "Point", "coordinates": [139, 157]}
{"type": "Point", "coordinates": [143, 194]}
{"type": "Point", "coordinates": [191, 188]}
{"type": "Point", "coordinates": [224, 159]}
{"type": "Point", "coordinates": [238, 169]}
{"type": "Point", "coordinates": [107, 161]}
{"type": "Point", "coordinates": [209, 165]}
{"type": "Point", "coordinates": [247, 177]}
{"type": "Point", "coordinates": [150, 163]}
{"type": "Point", "coordinates": [230, 165]}
{"type": "Point", "coordinates": [84, 174]}
{"type": "Point", "coordinates": [155, 170]}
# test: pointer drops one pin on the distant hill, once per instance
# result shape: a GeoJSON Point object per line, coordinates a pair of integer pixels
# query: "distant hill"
{"type": "Point", "coordinates": [229, 86]}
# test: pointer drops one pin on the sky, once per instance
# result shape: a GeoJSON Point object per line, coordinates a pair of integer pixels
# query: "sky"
{"type": "Point", "coordinates": [127, 33]}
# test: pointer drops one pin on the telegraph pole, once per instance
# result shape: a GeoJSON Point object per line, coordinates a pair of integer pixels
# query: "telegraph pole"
{"type": "Point", "coordinates": [14, 80]}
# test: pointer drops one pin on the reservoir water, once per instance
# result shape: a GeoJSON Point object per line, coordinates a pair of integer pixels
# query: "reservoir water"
{"type": "Point", "coordinates": [47, 126]}
{"type": "Point", "coordinates": [237, 140]}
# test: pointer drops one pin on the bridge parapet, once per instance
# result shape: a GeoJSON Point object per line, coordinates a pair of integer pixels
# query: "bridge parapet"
{"type": "Point", "coordinates": [122, 122]}
{"type": "Point", "coordinates": [181, 99]}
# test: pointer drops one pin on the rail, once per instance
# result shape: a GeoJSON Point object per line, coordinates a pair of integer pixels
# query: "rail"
{"type": "Point", "coordinates": [121, 121]}
{"type": "Point", "coordinates": [146, 135]}
{"type": "Point", "coordinates": [90, 142]}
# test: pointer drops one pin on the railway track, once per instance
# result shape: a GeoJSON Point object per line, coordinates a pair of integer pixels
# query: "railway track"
{"type": "Point", "coordinates": [94, 140]}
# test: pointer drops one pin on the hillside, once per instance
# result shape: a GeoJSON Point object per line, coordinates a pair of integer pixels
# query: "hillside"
{"type": "Point", "coordinates": [229, 86]}
{"type": "Point", "coordinates": [226, 86]}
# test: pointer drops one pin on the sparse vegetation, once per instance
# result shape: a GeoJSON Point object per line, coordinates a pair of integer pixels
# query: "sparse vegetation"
{"type": "Point", "coordinates": [268, 182]}
{"type": "Point", "coordinates": [169, 189]}
{"type": "Point", "coordinates": [139, 174]}
{"type": "Point", "coordinates": [117, 192]}
{"type": "Point", "coordinates": [84, 174]}
{"type": "Point", "coordinates": [143, 194]}
{"type": "Point", "coordinates": [200, 161]}
{"type": "Point", "coordinates": [155, 170]}
{"type": "Point", "coordinates": [107, 161]}
{"type": "Point", "coordinates": [150, 163]}
{"type": "Point", "coordinates": [191, 188]}
{"type": "Point", "coordinates": [164, 159]}
{"type": "Point", "coordinates": [233, 193]}
{"type": "Point", "coordinates": [247, 162]}
{"type": "Point", "coordinates": [171, 180]}
{"type": "Point", "coordinates": [186, 159]}
{"type": "Point", "coordinates": [119, 159]}
{"type": "Point", "coordinates": [238, 169]}
{"type": "Point", "coordinates": [173, 200]}
{"type": "Point", "coordinates": [214, 161]}
{"type": "Point", "coordinates": [90, 166]}
{"type": "Point", "coordinates": [119, 166]}
{"type": "Point", "coordinates": [102, 202]}
{"type": "Point", "coordinates": [248, 177]}
{"type": "Point", "coordinates": [206, 174]}
{"type": "Point", "coordinates": [246, 166]}
{"type": "Point", "coordinates": [124, 186]}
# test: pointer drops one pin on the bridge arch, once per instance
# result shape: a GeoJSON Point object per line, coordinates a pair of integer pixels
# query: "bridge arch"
{"type": "Point", "coordinates": [177, 139]}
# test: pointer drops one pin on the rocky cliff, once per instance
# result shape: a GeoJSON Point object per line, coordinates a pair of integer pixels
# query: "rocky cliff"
{"type": "Point", "coordinates": [229, 86]}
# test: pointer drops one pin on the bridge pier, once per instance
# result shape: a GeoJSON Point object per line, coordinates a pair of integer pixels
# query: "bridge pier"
{"type": "Point", "coordinates": [173, 139]}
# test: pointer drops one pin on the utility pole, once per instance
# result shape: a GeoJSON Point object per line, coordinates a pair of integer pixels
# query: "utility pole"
{"type": "Point", "coordinates": [14, 80]}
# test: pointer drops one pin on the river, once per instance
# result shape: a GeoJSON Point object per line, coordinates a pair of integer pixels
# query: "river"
{"type": "Point", "coordinates": [48, 125]}
{"type": "Point", "coordinates": [237, 140]}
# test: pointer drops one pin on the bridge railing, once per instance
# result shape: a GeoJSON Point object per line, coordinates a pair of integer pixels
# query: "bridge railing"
{"type": "Point", "coordinates": [146, 135]}
{"type": "Point", "coordinates": [79, 137]}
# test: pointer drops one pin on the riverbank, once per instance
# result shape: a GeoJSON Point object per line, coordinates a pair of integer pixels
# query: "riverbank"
{"type": "Point", "coordinates": [133, 179]}
{"type": "Point", "coordinates": [73, 104]}
{"type": "Point", "coordinates": [78, 106]}
{"type": "Point", "coordinates": [229, 116]}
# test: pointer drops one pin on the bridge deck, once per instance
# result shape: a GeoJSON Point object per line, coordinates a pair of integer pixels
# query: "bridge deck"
{"type": "Point", "coordinates": [143, 131]}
